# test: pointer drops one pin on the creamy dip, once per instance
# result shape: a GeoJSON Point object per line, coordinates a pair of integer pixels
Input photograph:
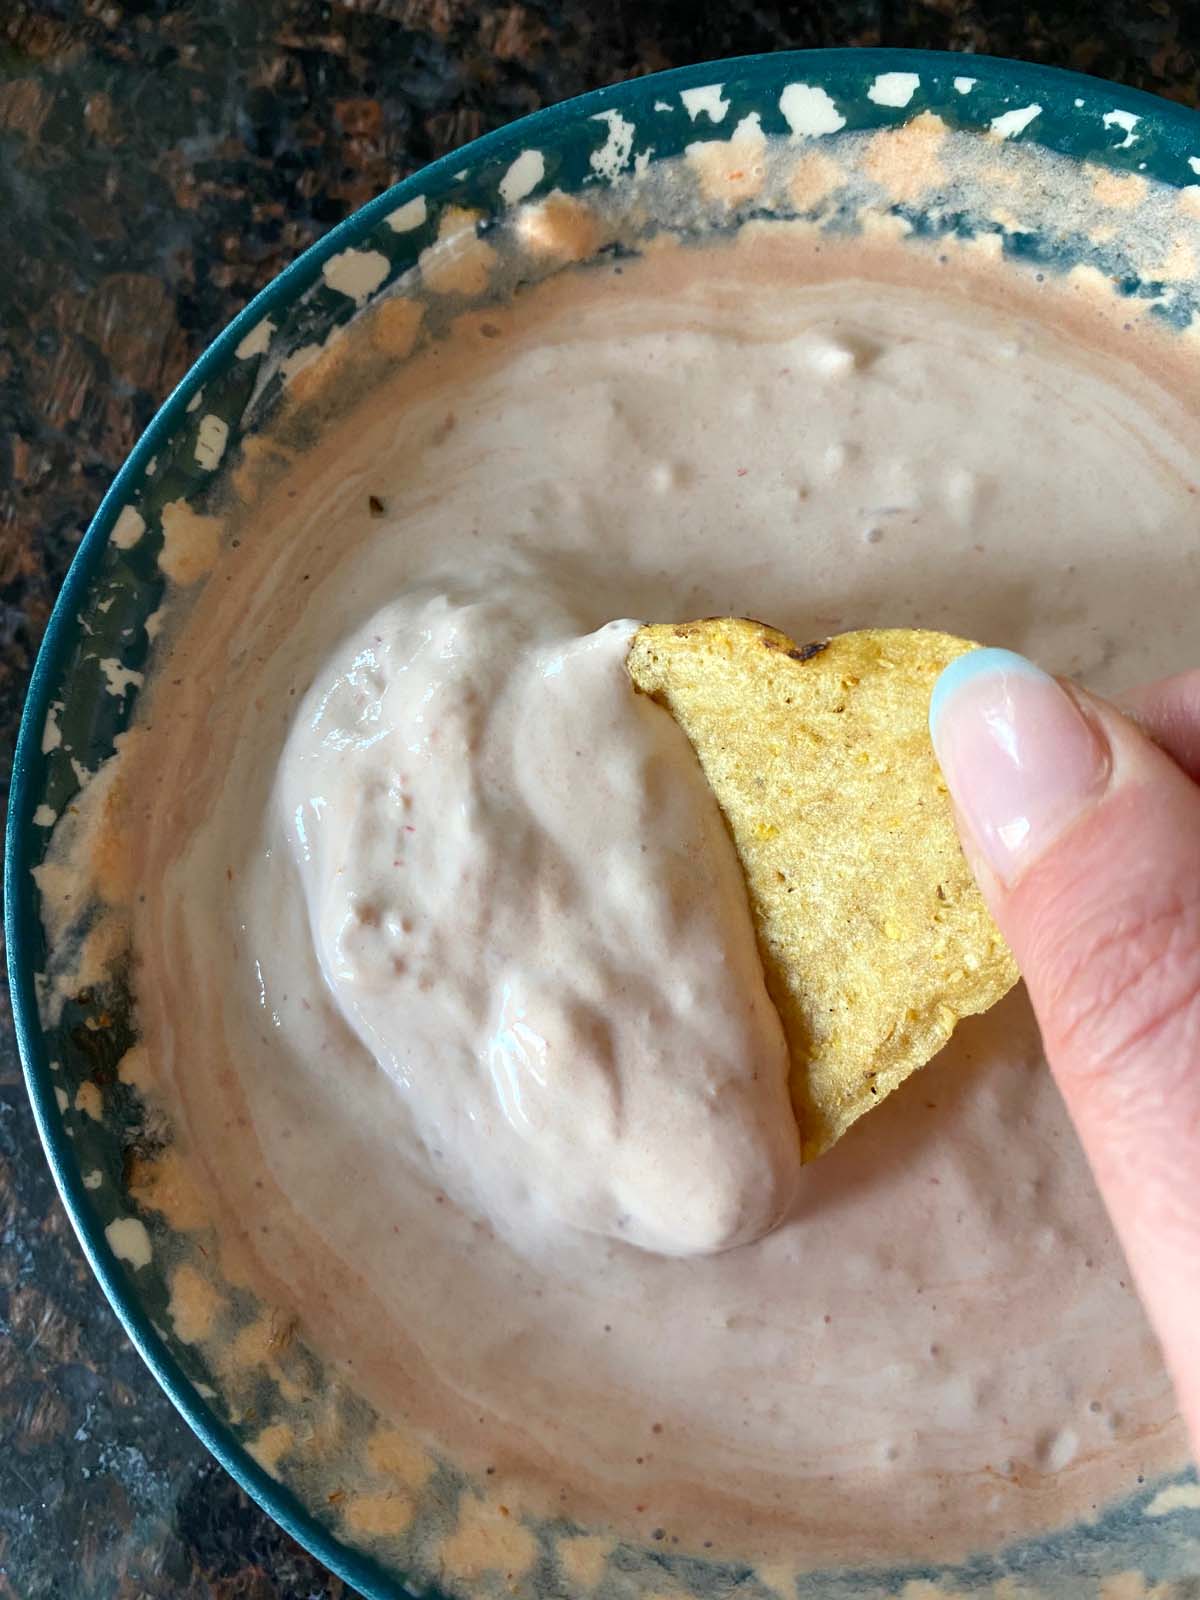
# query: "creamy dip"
{"type": "Point", "coordinates": [443, 953]}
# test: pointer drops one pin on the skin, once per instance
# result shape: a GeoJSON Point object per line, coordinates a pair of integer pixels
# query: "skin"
{"type": "Point", "coordinates": [1105, 925]}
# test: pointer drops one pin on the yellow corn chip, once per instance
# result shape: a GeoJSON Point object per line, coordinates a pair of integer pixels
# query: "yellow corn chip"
{"type": "Point", "coordinates": [873, 935]}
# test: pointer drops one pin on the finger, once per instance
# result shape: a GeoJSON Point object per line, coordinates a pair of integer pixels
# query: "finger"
{"type": "Point", "coordinates": [1169, 711]}
{"type": "Point", "coordinates": [1086, 840]}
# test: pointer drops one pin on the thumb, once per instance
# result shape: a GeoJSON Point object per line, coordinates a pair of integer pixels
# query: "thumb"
{"type": "Point", "coordinates": [1085, 839]}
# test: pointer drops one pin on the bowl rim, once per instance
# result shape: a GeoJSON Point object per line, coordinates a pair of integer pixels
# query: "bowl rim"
{"type": "Point", "coordinates": [353, 1566]}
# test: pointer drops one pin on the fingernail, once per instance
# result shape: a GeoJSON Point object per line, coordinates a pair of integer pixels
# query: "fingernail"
{"type": "Point", "coordinates": [1019, 757]}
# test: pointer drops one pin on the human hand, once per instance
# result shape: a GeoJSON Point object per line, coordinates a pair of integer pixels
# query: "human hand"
{"type": "Point", "coordinates": [1082, 824]}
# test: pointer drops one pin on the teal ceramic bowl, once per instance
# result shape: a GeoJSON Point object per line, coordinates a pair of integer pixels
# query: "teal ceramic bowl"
{"type": "Point", "coordinates": [73, 714]}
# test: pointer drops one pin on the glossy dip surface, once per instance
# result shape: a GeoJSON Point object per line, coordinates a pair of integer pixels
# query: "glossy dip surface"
{"type": "Point", "coordinates": [442, 956]}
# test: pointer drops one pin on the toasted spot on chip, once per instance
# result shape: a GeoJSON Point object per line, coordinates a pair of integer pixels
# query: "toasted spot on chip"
{"type": "Point", "coordinates": [874, 938]}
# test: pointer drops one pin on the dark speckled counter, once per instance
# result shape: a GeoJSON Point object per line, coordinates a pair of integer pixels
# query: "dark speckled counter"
{"type": "Point", "coordinates": [159, 163]}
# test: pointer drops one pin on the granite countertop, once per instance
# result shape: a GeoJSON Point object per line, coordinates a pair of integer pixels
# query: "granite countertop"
{"type": "Point", "coordinates": [159, 163]}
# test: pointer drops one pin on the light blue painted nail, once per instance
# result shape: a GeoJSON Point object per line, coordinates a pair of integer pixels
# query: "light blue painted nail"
{"type": "Point", "coordinates": [967, 668]}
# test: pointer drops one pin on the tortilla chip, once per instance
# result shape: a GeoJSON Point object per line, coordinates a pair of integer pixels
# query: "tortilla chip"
{"type": "Point", "coordinates": [873, 935]}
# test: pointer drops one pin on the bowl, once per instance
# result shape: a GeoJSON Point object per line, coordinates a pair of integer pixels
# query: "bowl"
{"type": "Point", "coordinates": [84, 691]}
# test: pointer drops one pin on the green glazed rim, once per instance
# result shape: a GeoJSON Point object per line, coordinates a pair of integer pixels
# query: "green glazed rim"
{"type": "Point", "coordinates": [1076, 119]}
